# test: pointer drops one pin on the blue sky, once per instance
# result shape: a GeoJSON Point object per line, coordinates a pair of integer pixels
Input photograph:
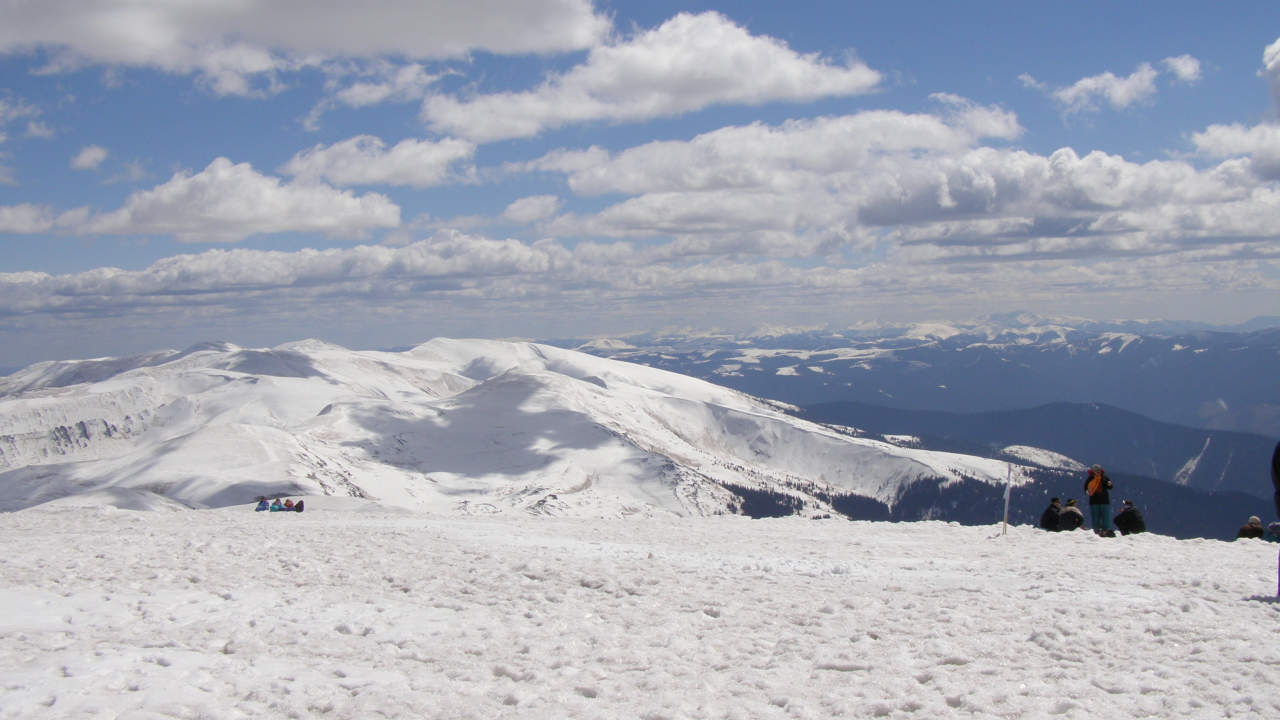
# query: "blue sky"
{"type": "Point", "coordinates": [176, 172]}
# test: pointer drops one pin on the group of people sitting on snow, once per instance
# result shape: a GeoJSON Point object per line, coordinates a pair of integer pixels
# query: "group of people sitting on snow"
{"type": "Point", "coordinates": [1254, 529]}
{"type": "Point", "coordinates": [277, 506]}
{"type": "Point", "coordinates": [1098, 487]}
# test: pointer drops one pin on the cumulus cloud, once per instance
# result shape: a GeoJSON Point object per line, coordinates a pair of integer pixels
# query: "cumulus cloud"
{"type": "Point", "coordinates": [686, 64]}
{"type": "Point", "coordinates": [532, 209]}
{"type": "Point", "coordinates": [230, 44]}
{"type": "Point", "coordinates": [1184, 67]}
{"type": "Point", "coordinates": [1260, 143]}
{"type": "Point", "coordinates": [377, 81]}
{"type": "Point", "coordinates": [365, 160]}
{"type": "Point", "coordinates": [227, 202]}
{"type": "Point", "coordinates": [89, 158]}
{"type": "Point", "coordinates": [12, 108]}
{"type": "Point", "coordinates": [1120, 92]}
{"type": "Point", "coordinates": [886, 178]}
{"type": "Point", "coordinates": [1088, 94]}
{"type": "Point", "coordinates": [25, 218]}
{"type": "Point", "coordinates": [39, 129]}
{"type": "Point", "coordinates": [1271, 69]}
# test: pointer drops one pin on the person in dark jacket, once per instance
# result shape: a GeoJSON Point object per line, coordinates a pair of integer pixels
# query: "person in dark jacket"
{"type": "Point", "coordinates": [1275, 476]}
{"type": "Point", "coordinates": [1070, 518]}
{"type": "Point", "coordinates": [1098, 486]}
{"type": "Point", "coordinates": [1129, 521]}
{"type": "Point", "coordinates": [262, 505]}
{"type": "Point", "coordinates": [1275, 480]}
{"type": "Point", "coordinates": [1273, 533]}
{"type": "Point", "coordinates": [1251, 529]}
{"type": "Point", "coordinates": [1049, 518]}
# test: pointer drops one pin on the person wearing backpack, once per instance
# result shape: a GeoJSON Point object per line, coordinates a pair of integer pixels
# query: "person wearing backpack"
{"type": "Point", "coordinates": [1098, 486]}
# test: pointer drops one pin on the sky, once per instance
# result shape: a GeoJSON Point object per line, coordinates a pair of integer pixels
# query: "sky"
{"type": "Point", "coordinates": [269, 170]}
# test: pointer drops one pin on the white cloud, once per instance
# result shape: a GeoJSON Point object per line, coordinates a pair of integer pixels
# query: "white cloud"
{"type": "Point", "coordinates": [1087, 94]}
{"type": "Point", "coordinates": [1119, 92]}
{"type": "Point", "coordinates": [1185, 67]}
{"type": "Point", "coordinates": [402, 83]}
{"type": "Point", "coordinates": [233, 45]}
{"type": "Point", "coordinates": [454, 281]}
{"type": "Point", "coordinates": [14, 108]}
{"type": "Point", "coordinates": [228, 202]}
{"type": "Point", "coordinates": [39, 129]}
{"type": "Point", "coordinates": [25, 218]}
{"type": "Point", "coordinates": [364, 160]}
{"type": "Point", "coordinates": [89, 158]}
{"type": "Point", "coordinates": [379, 81]}
{"type": "Point", "coordinates": [1261, 143]}
{"type": "Point", "coordinates": [1271, 69]}
{"type": "Point", "coordinates": [686, 64]}
{"type": "Point", "coordinates": [532, 209]}
{"type": "Point", "coordinates": [882, 178]}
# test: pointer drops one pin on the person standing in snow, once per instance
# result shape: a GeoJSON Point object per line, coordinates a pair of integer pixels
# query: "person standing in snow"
{"type": "Point", "coordinates": [1251, 529]}
{"type": "Point", "coordinates": [1049, 518]}
{"type": "Point", "coordinates": [1275, 481]}
{"type": "Point", "coordinates": [1275, 476]}
{"type": "Point", "coordinates": [1070, 518]}
{"type": "Point", "coordinates": [1129, 521]}
{"type": "Point", "coordinates": [1098, 486]}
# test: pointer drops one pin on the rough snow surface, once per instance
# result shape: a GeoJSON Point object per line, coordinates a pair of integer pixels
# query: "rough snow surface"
{"type": "Point", "coordinates": [231, 614]}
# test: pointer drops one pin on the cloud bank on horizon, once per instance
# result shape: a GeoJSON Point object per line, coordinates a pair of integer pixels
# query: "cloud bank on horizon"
{"type": "Point", "coordinates": [560, 167]}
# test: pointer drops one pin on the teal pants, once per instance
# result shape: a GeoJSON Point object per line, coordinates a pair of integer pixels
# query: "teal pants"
{"type": "Point", "coordinates": [1101, 516]}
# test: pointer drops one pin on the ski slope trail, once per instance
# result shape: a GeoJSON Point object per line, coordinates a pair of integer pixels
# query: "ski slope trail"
{"type": "Point", "coordinates": [230, 614]}
{"type": "Point", "coordinates": [452, 426]}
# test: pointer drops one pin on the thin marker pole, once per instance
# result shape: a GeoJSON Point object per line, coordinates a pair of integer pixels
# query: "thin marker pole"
{"type": "Point", "coordinates": [1008, 486]}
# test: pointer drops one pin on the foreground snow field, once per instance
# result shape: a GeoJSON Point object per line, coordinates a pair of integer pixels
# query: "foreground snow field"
{"type": "Point", "coordinates": [358, 614]}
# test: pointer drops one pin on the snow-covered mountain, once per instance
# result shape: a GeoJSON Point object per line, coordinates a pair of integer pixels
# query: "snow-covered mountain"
{"type": "Point", "coordinates": [451, 426]}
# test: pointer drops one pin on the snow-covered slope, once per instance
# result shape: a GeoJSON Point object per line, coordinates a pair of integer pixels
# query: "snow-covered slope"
{"type": "Point", "coordinates": [355, 615]}
{"type": "Point", "coordinates": [453, 426]}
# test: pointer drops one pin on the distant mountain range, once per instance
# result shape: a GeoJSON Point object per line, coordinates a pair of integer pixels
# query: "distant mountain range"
{"type": "Point", "coordinates": [1178, 372]}
{"type": "Point", "coordinates": [1120, 441]}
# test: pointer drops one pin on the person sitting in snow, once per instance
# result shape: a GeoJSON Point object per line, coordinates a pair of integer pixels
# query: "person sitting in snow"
{"type": "Point", "coordinates": [276, 506]}
{"type": "Point", "coordinates": [1273, 532]}
{"type": "Point", "coordinates": [262, 505]}
{"type": "Point", "coordinates": [1049, 518]}
{"type": "Point", "coordinates": [1070, 518]}
{"type": "Point", "coordinates": [1251, 529]}
{"type": "Point", "coordinates": [1129, 521]}
{"type": "Point", "coordinates": [288, 504]}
